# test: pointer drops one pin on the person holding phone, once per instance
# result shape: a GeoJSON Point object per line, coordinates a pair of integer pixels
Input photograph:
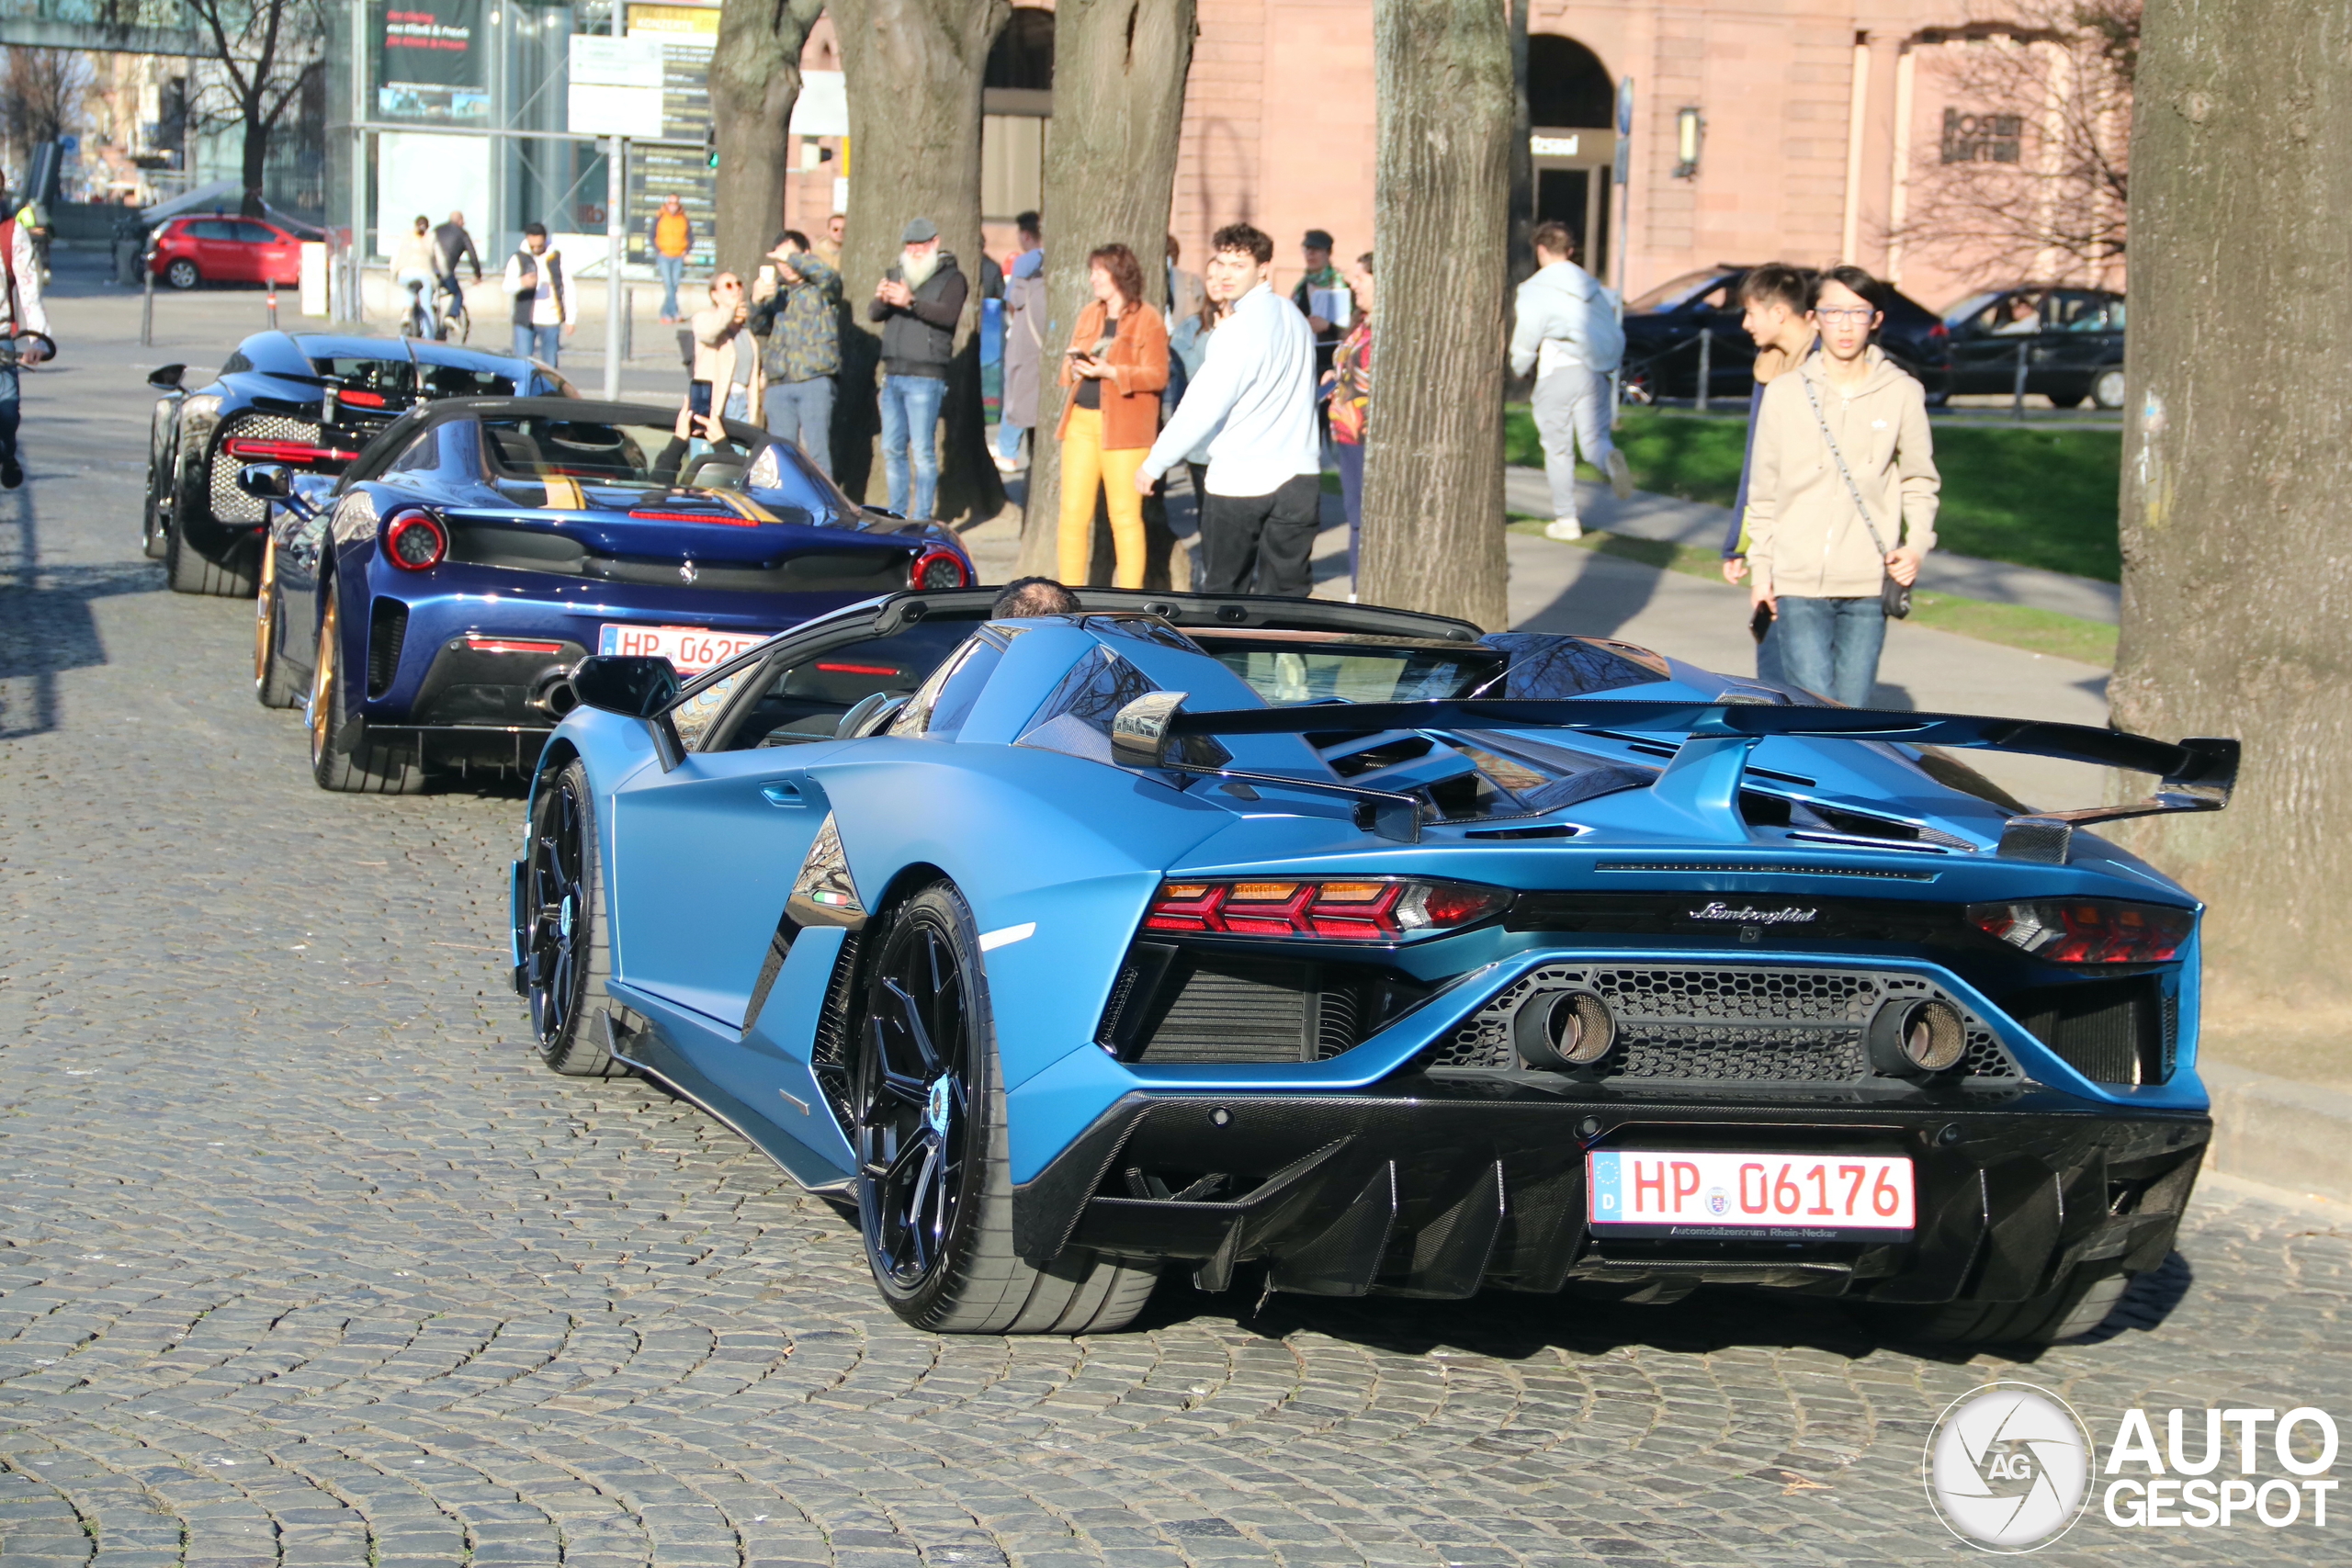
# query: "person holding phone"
{"type": "Point", "coordinates": [722, 359]}
{"type": "Point", "coordinates": [1115, 369]}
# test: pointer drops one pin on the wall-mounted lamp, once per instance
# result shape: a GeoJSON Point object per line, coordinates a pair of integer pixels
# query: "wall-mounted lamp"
{"type": "Point", "coordinates": [1688, 127]}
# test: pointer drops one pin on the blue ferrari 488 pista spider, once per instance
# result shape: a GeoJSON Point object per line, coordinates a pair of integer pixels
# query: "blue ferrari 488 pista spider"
{"type": "Point", "coordinates": [433, 599]}
{"type": "Point", "coordinates": [1369, 954]}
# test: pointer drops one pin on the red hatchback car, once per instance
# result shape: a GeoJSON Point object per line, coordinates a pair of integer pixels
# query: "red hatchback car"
{"type": "Point", "coordinates": [193, 251]}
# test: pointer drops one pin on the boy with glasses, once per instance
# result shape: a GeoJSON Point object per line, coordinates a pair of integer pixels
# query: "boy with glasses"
{"type": "Point", "coordinates": [1842, 494]}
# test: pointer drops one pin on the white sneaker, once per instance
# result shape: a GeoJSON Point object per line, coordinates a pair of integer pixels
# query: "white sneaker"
{"type": "Point", "coordinates": [1565, 530]}
{"type": "Point", "coordinates": [1621, 477]}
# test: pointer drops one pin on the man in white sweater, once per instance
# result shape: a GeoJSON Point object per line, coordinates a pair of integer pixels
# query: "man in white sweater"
{"type": "Point", "coordinates": [1568, 334]}
{"type": "Point", "coordinates": [1254, 402]}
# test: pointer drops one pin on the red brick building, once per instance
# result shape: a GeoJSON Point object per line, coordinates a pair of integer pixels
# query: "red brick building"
{"type": "Point", "coordinates": [1796, 130]}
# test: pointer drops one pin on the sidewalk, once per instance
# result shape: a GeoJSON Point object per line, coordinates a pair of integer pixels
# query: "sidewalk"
{"type": "Point", "coordinates": [1649, 516]}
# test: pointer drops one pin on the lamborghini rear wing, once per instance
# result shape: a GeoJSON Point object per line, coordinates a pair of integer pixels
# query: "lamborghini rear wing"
{"type": "Point", "coordinates": [1703, 779]}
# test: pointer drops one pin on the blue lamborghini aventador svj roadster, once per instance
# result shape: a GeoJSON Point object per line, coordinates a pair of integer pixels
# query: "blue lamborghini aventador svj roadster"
{"type": "Point", "coordinates": [1364, 954]}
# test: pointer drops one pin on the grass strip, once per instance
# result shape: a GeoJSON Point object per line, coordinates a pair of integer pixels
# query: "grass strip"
{"type": "Point", "coordinates": [2032, 497]}
{"type": "Point", "coordinates": [2011, 626]}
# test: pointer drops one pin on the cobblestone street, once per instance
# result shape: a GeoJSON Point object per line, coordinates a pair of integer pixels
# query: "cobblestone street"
{"type": "Point", "coordinates": [305, 1261]}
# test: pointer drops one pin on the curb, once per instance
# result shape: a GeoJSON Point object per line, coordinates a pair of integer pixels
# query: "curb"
{"type": "Point", "coordinates": [2280, 1132]}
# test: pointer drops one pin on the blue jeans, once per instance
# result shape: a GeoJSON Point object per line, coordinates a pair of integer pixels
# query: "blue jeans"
{"type": "Point", "coordinates": [1008, 441]}
{"type": "Point", "coordinates": [671, 271]}
{"type": "Point", "coordinates": [1831, 646]}
{"type": "Point", "coordinates": [9, 408]}
{"type": "Point", "coordinates": [802, 412]}
{"type": "Point", "coordinates": [911, 424]}
{"type": "Point", "coordinates": [1351, 461]}
{"type": "Point", "coordinates": [536, 343]}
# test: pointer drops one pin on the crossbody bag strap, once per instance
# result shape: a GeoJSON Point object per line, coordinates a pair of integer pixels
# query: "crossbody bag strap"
{"type": "Point", "coordinates": [1852, 490]}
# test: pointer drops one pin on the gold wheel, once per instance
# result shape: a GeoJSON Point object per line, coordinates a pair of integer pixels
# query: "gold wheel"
{"type": "Point", "coordinates": [322, 691]}
{"type": "Point", "coordinates": [265, 613]}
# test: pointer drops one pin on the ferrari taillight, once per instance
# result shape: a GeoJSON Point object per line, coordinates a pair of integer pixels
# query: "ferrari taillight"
{"type": "Point", "coordinates": [414, 541]}
{"type": "Point", "coordinates": [1367, 909]}
{"type": "Point", "coordinates": [937, 569]}
{"type": "Point", "coordinates": [2087, 931]}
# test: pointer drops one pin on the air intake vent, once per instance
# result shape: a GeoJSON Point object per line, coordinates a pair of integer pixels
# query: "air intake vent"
{"type": "Point", "coordinates": [387, 629]}
{"type": "Point", "coordinates": [1174, 1004]}
{"type": "Point", "coordinates": [2112, 1031]}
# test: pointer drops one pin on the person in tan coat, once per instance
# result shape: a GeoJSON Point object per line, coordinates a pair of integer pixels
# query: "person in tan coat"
{"type": "Point", "coordinates": [1117, 366]}
{"type": "Point", "coordinates": [1845, 427]}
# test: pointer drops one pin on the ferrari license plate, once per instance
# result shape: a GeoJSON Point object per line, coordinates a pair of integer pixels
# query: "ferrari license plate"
{"type": "Point", "coordinates": [1682, 1195]}
{"type": "Point", "coordinates": [691, 648]}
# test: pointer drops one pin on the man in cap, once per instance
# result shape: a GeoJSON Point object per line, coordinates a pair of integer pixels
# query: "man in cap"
{"type": "Point", "coordinates": [918, 302]}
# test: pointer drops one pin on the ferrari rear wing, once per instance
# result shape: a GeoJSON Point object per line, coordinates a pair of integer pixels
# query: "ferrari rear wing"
{"type": "Point", "coordinates": [1703, 779]}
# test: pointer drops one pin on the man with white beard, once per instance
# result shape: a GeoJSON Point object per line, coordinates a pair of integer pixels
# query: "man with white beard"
{"type": "Point", "coordinates": [919, 302]}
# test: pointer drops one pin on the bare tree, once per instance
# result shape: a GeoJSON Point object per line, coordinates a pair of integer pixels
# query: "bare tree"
{"type": "Point", "coordinates": [2237, 548]}
{"type": "Point", "coordinates": [1119, 73]}
{"type": "Point", "coordinates": [42, 95]}
{"type": "Point", "coordinates": [1433, 468]}
{"type": "Point", "coordinates": [755, 81]}
{"type": "Point", "coordinates": [268, 51]}
{"type": "Point", "coordinates": [2032, 177]}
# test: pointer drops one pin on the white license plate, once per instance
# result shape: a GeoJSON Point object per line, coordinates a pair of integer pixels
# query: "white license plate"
{"type": "Point", "coordinates": [1685, 1196]}
{"type": "Point", "coordinates": [691, 648]}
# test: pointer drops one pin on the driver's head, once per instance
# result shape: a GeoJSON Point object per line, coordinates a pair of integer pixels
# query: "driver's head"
{"type": "Point", "coordinates": [1033, 596]}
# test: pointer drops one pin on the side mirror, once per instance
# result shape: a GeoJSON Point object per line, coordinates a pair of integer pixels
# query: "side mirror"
{"type": "Point", "coordinates": [1139, 737]}
{"type": "Point", "coordinates": [632, 686]}
{"type": "Point", "coordinates": [167, 377]}
{"type": "Point", "coordinates": [265, 481]}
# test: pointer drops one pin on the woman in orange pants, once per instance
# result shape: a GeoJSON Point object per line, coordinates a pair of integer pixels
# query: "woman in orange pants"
{"type": "Point", "coordinates": [1117, 364]}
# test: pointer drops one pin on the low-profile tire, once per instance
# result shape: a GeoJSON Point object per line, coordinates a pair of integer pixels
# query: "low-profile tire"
{"type": "Point", "coordinates": [190, 570]}
{"type": "Point", "coordinates": [562, 932]}
{"type": "Point", "coordinates": [934, 1182]}
{"type": "Point", "coordinates": [2078, 1305]}
{"type": "Point", "coordinates": [272, 685]}
{"type": "Point", "coordinates": [341, 756]}
{"type": "Point", "coordinates": [183, 273]}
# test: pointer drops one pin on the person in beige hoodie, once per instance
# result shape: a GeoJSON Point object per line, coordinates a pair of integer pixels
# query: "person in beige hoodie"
{"type": "Point", "coordinates": [1817, 561]}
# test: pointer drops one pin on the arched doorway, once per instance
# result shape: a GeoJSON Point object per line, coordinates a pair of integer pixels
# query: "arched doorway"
{"type": "Point", "coordinates": [1017, 106]}
{"type": "Point", "coordinates": [1571, 102]}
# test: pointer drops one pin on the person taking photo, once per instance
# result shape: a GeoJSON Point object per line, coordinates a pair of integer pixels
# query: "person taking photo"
{"type": "Point", "coordinates": [1842, 494]}
{"type": "Point", "coordinates": [801, 324]}
{"type": "Point", "coordinates": [1116, 366]}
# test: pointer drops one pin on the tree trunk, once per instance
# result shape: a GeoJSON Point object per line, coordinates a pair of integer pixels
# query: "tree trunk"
{"type": "Point", "coordinates": [755, 81]}
{"type": "Point", "coordinates": [257, 162]}
{"type": "Point", "coordinates": [1119, 73]}
{"type": "Point", "coordinates": [2237, 547]}
{"type": "Point", "coordinates": [1522, 155]}
{"type": "Point", "coordinates": [1434, 471]}
{"type": "Point", "coordinates": [913, 69]}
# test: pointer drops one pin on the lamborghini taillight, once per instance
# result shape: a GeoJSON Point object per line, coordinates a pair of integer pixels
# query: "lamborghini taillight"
{"type": "Point", "coordinates": [1356, 909]}
{"type": "Point", "coordinates": [2087, 931]}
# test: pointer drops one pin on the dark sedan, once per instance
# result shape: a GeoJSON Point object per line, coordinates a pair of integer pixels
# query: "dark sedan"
{"type": "Point", "coordinates": [2070, 340]}
{"type": "Point", "coordinates": [434, 599]}
{"type": "Point", "coordinates": [1663, 328]}
{"type": "Point", "coordinates": [307, 401]}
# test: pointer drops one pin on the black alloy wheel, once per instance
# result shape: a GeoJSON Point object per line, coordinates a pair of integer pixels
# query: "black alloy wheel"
{"type": "Point", "coordinates": [913, 1102]}
{"type": "Point", "coordinates": [555, 903]}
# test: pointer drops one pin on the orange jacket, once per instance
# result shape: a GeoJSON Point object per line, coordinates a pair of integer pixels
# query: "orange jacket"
{"type": "Point", "coordinates": [1138, 362]}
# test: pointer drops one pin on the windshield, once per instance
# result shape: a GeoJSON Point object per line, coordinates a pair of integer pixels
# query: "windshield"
{"type": "Point", "coordinates": [1957, 315]}
{"type": "Point", "coordinates": [1318, 668]}
{"type": "Point", "coordinates": [541, 446]}
{"type": "Point", "coordinates": [1679, 291]}
{"type": "Point", "coordinates": [379, 383]}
